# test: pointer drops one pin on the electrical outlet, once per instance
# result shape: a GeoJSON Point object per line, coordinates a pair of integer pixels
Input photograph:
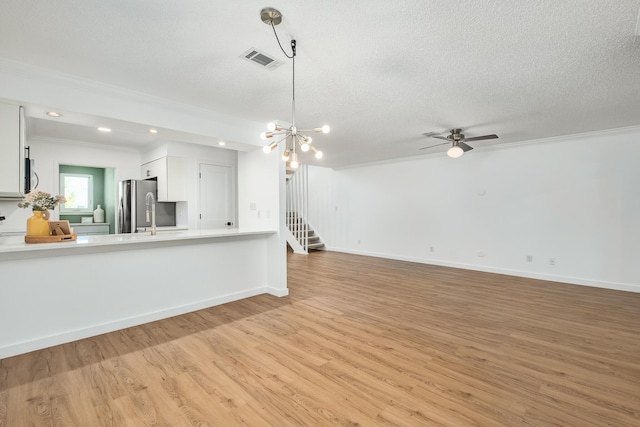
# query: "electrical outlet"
{"type": "Point", "coordinates": [529, 258]}
{"type": "Point", "coordinates": [552, 261]}
{"type": "Point", "coordinates": [431, 249]}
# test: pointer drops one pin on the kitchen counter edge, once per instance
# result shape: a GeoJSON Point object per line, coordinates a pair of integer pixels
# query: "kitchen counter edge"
{"type": "Point", "coordinates": [16, 244]}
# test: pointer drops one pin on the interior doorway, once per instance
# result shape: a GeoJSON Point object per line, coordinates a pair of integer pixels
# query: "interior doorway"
{"type": "Point", "coordinates": [217, 196]}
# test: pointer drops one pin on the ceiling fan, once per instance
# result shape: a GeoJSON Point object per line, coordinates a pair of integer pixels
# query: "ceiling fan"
{"type": "Point", "coordinates": [457, 140]}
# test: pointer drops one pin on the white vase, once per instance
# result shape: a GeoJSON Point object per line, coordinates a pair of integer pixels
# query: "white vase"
{"type": "Point", "coordinates": [98, 214]}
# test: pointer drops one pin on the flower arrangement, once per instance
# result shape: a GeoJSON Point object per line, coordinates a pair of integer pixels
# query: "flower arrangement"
{"type": "Point", "coordinates": [41, 201]}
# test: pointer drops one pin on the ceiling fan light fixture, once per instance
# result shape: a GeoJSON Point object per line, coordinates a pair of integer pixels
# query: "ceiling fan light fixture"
{"type": "Point", "coordinates": [457, 141]}
{"type": "Point", "coordinates": [455, 152]}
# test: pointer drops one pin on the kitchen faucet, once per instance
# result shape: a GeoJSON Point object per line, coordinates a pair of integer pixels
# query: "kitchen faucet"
{"type": "Point", "coordinates": [151, 200]}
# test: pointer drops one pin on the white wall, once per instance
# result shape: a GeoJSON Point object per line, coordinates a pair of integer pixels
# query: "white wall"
{"type": "Point", "coordinates": [86, 291]}
{"type": "Point", "coordinates": [49, 154]}
{"type": "Point", "coordinates": [259, 183]}
{"type": "Point", "coordinates": [261, 203]}
{"type": "Point", "coordinates": [573, 199]}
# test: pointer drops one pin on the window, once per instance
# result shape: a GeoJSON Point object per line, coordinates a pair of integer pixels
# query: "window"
{"type": "Point", "coordinates": [78, 190]}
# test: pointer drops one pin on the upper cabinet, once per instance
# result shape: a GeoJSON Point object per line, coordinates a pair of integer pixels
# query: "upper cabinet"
{"type": "Point", "coordinates": [11, 151]}
{"type": "Point", "coordinates": [171, 174]}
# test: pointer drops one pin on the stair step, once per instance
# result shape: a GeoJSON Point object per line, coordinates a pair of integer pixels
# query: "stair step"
{"type": "Point", "coordinates": [298, 227]}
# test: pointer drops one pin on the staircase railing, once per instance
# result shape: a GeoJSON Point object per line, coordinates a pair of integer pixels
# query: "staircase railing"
{"type": "Point", "coordinates": [297, 208]}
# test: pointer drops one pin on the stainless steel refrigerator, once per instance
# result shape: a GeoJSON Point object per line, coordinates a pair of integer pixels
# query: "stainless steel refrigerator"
{"type": "Point", "coordinates": [132, 206]}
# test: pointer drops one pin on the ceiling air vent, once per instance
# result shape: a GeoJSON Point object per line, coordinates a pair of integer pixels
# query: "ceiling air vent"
{"type": "Point", "coordinates": [261, 59]}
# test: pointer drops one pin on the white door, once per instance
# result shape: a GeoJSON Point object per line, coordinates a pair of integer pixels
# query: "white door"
{"type": "Point", "coordinates": [217, 196]}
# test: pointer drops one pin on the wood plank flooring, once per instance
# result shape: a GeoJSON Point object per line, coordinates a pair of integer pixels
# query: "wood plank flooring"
{"type": "Point", "coordinates": [359, 342]}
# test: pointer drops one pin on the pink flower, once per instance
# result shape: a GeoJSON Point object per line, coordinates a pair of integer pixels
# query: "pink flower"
{"type": "Point", "coordinates": [41, 201]}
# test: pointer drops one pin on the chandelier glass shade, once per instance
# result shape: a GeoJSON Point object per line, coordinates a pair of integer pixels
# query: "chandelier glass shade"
{"type": "Point", "coordinates": [294, 139]}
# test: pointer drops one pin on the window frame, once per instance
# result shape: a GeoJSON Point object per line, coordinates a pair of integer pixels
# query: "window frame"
{"type": "Point", "coordinates": [89, 209]}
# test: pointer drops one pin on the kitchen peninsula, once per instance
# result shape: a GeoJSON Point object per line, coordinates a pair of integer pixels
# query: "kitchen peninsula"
{"type": "Point", "coordinates": [54, 293]}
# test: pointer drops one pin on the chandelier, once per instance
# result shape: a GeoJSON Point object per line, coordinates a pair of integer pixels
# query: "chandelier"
{"type": "Point", "coordinates": [291, 135]}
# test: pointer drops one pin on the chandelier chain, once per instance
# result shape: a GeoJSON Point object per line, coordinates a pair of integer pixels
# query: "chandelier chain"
{"type": "Point", "coordinates": [279, 44]}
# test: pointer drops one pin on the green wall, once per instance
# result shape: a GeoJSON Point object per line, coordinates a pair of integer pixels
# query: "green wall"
{"type": "Point", "coordinates": [101, 187]}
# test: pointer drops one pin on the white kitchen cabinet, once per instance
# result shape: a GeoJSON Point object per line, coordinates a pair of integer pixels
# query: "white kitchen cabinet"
{"type": "Point", "coordinates": [171, 174]}
{"type": "Point", "coordinates": [12, 149]}
{"type": "Point", "coordinates": [90, 229]}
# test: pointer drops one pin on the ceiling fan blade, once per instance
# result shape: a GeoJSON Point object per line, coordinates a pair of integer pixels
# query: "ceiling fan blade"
{"type": "Point", "coordinates": [483, 137]}
{"type": "Point", "coordinates": [464, 146]}
{"type": "Point", "coordinates": [435, 135]}
{"type": "Point", "coordinates": [431, 146]}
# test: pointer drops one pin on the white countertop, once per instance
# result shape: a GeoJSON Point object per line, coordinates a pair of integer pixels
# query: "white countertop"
{"type": "Point", "coordinates": [16, 244]}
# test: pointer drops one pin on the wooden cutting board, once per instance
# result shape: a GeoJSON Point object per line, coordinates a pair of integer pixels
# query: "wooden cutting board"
{"type": "Point", "coordinates": [51, 239]}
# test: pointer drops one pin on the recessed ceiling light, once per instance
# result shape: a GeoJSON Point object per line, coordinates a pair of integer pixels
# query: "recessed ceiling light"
{"type": "Point", "coordinates": [53, 114]}
{"type": "Point", "coordinates": [222, 143]}
{"type": "Point", "coordinates": [153, 131]}
{"type": "Point", "coordinates": [103, 129]}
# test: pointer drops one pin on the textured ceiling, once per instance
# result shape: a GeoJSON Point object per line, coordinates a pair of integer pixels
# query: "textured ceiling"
{"type": "Point", "coordinates": [381, 73]}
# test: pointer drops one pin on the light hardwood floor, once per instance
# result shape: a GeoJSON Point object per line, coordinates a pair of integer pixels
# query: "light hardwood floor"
{"type": "Point", "coordinates": [359, 341]}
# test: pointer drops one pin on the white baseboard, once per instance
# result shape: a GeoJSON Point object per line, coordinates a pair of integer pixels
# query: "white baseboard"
{"type": "Point", "coordinates": [510, 272]}
{"type": "Point", "coordinates": [117, 324]}
{"type": "Point", "coordinates": [278, 292]}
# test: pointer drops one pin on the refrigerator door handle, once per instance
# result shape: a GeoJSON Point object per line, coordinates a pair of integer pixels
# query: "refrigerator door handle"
{"type": "Point", "coordinates": [120, 216]}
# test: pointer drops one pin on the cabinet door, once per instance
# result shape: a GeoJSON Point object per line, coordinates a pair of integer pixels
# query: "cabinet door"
{"type": "Point", "coordinates": [12, 149]}
{"type": "Point", "coordinates": [91, 230]}
{"type": "Point", "coordinates": [157, 169]}
{"type": "Point", "coordinates": [171, 173]}
{"type": "Point", "coordinates": [154, 169]}
{"type": "Point", "coordinates": [176, 179]}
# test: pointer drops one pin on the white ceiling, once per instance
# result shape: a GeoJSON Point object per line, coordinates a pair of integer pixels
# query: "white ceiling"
{"type": "Point", "coordinates": [379, 72]}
